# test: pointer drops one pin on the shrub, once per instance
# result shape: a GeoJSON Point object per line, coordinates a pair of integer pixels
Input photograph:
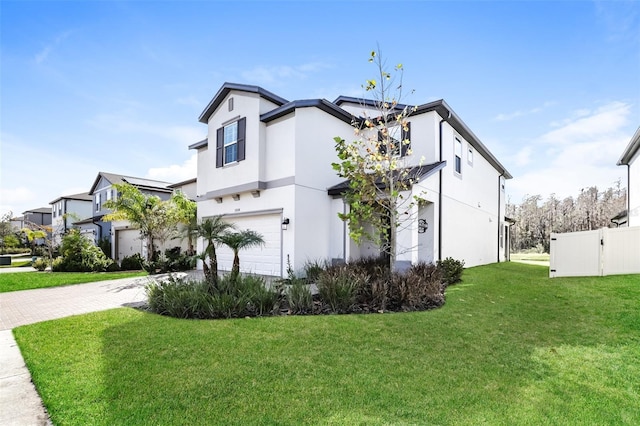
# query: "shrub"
{"type": "Point", "coordinates": [372, 266]}
{"type": "Point", "coordinates": [299, 297]}
{"type": "Point", "coordinates": [132, 263]}
{"type": "Point", "coordinates": [173, 260]}
{"type": "Point", "coordinates": [418, 288]}
{"type": "Point", "coordinates": [80, 255]}
{"type": "Point", "coordinates": [451, 270]}
{"type": "Point", "coordinates": [338, 286]}
{"type": "Point", "coordinates": [230, 298]}
{"type": "Point", "coordinates": [313, 269]}
{"type": "Point", "coordinates": [40, 264]}
{"type": "Point", "coordinates": [105, 245]}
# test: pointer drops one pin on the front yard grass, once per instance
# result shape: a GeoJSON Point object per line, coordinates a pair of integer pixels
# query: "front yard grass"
{"type": "Point", "coordinates": [14, 281]}
{"type": "Point", "coordinates": [510, 346]}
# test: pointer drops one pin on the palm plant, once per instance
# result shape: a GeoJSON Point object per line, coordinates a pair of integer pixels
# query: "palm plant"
{"type": "Point", "coordinates": [237, 241]}
{"type": "Point", "coordinates": [211, 231]}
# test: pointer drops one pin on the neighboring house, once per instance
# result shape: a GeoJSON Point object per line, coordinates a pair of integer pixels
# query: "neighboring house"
{"type": "Point", "coordinates": [66, 210]}
{"type": "Point", "coordinates": [40, 216]}
{"type": "Point", "coordinates": [124, 237]}
{"type": "Point", "coordinates": [631, 158]}
{"type": "Point", "coordinates": [266, 165]}
{"type": "Point", "coordinates": [187, 187]}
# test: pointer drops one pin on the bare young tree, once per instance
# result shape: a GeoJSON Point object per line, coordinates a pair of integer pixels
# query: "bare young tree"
{"type": "Point", "coordinates": [379, 166]}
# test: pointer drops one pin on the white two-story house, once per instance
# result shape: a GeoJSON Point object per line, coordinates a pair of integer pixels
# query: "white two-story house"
{"type": "Point", "coordinates": [631, 158]}
{"type": "Point", "coordinates": [266, 165]}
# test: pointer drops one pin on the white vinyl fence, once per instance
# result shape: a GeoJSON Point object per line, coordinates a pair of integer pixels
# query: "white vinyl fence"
{"type": "Point", "coordinates": [606, 251]}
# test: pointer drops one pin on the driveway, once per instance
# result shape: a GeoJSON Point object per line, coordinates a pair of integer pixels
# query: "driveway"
{"type": "Point", "coordinates": [20, 404]}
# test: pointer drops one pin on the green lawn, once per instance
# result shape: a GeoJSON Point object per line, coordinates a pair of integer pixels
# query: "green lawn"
{"type": "Point", "coordinates": [13, 281]}
{"type": "Point", "coordinates": [509, 347]}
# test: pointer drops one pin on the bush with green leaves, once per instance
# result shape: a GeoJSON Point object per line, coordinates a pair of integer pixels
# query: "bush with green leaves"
{"type": "Point", "coordinates": [40, 264]}
{"type": "Point", "coordinates": [134, 262]}
{"type": "Point", "coordinates": [338, 286]}
{"type": "Point", "coordinates": [231, 297]}
{"type": "Point", "coordinates": [313, 269]}
{"type": "Point", "coordinates": [451, 270]}
{"type": "Point", "coordinates": [173, 260]}
{"type": "Point", "coordinates": [78, 254]}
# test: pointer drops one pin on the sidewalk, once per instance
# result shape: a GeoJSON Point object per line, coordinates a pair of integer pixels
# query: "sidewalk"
{"type": "Point", "coordinates": [20, 404]}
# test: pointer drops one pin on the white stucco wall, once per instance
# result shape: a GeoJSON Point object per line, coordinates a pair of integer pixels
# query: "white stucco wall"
{"type": "Point", "coordinates": [470, 215]}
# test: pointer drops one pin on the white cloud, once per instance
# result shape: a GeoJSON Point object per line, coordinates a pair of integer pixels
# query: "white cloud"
{"type": "Point", "coordinates": [175, 172]}
{"type": "Point", "coordinates": [43, 54]}
{"type": "Point", "coordinates": [523, 157]}
{"type": "Point", "coordinates": [520, 113]}
{"type": "Point", "coordinates": [602, 123]}
{"type": "Point", "coordinates": [280, 74]}
{"type": "Point", "coordinates": [581, 153]}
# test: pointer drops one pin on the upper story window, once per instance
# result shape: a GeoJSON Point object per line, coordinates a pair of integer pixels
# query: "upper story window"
{"type": "Point", "coordinates": [457, 153]}
{"type": "Point", "coordinates": [230, 143]}
{"type": "Point", "coordinates": [397, 136]}
{"type": "Point", "coordinates": [98, 200]}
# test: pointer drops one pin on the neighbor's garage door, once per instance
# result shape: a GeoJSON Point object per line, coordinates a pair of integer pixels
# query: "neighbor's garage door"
{"type": "Point", "coordinates": [262, 260]}
{"type": "Point", "coordinates": [128, 243]}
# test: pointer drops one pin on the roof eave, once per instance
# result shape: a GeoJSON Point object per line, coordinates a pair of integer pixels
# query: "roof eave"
{"type": "Point", "coordinates": [631, 149]}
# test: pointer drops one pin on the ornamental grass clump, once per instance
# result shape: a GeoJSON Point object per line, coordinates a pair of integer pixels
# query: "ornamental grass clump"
{"type": "Point", "coordinates": [338, 286]}
{"type": "Point", "coordinates": [233, 297]}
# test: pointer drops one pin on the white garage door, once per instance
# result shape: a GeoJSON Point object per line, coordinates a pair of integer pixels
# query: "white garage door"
{"type": "Point", "coordinates": [128, 243]}
{"type": "Point", "coordinates": [263, 260]}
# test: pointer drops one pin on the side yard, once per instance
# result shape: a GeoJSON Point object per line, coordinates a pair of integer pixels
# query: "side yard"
{"type": "Point", "coordinates": [510, 346]}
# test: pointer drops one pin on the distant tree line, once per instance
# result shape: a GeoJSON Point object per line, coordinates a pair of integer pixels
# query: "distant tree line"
{"type": "Point", "coordinates": [536, 220]}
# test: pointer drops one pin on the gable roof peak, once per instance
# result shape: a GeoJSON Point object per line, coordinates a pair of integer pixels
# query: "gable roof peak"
{"type": "Point", "coordinates": [227, 87]}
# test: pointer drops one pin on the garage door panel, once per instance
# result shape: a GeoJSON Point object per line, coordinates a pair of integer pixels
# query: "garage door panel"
{"type": "Point", "coordinates": [128, 243]}
{"type": "Point", "coordinates": [263, 260]}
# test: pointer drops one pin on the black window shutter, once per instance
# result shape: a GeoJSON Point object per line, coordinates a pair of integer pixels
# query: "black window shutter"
{"type": "Point", "coordinates": [220, 147]}
{"type": "Point", "coordinates": [406, 135]}
{"type": "Point", "coordinates": [242, 130]}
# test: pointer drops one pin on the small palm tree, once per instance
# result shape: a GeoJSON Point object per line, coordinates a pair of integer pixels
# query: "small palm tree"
{"type": "Point", "coordinates": [237, 241]}
{"type": "Point", "coordinates": [211, 231]}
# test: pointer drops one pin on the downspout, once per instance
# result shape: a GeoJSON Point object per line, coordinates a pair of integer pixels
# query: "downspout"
{"type": "Point", "coordinates": [499, 200]}
{"type": "Point", "coordinates": [64, 218]}
{"type": "Point", "coordinates": [440, 190]}
{"type": "Point", "coordinates": [344, 233]}
{"type": "Point", "coordinates": [628, 192]}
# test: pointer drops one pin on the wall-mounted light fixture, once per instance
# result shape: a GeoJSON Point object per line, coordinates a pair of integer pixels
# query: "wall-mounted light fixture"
{"type": "Point", "coordinates": [285, 223]}
{"type": "Point", "coordinates": [422, 226]}
{"type": "Point", "coordinates": [219, 200]}
{"type": "Point", "coordinates": [236, 197]}
{"type": "Point", "coordinates": [255, 193]}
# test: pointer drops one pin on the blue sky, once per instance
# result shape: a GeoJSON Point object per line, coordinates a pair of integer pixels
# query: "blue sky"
{"type": "Point", "coordinates": [551, 88]}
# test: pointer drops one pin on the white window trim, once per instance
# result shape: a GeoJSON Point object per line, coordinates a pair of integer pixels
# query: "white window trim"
{"type": "Point", "coordinates": [225, 145]}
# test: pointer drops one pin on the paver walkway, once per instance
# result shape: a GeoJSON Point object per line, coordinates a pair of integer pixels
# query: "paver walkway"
{"type": "Point", "coordinates": [20, 404]}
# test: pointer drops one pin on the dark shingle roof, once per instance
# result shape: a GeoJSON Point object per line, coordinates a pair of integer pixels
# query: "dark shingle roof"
{"type": "Point", "coordinates": [417, 172]}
